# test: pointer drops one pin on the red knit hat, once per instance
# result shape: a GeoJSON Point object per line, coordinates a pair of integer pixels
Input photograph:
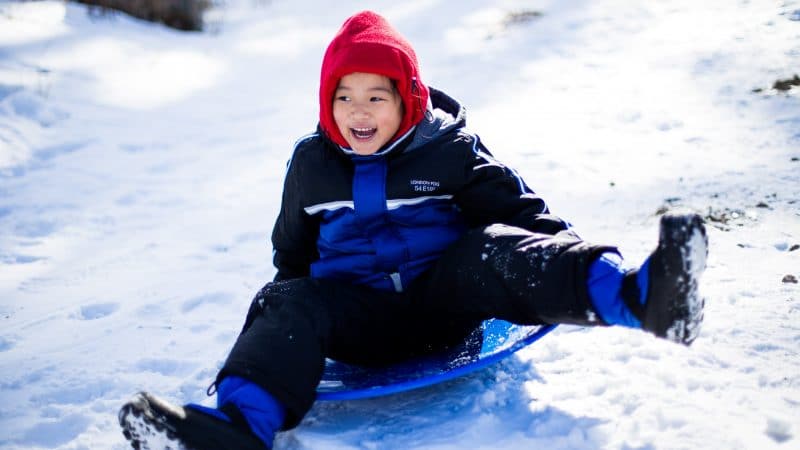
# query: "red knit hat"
{"type": "Point", "coordinates": [368, 43]}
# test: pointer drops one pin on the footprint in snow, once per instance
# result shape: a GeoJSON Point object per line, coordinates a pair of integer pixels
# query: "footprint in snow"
{"type": "Point", "coordinates": [51, 434]}
{"type": "Point", "coordinates": [95, 311]}
{"type": "Point", "coordinates": [70, 392]}
{"type": "Point", "coordinates": [165, 366]}
{"type": "Point", "coordinates": [6, 343]}
{"type": "Point", "coordinates": [36, 228]}
{"type": "Point", "coordinates": [217, 298]}
{"type": "Point", "coordinates": [12, 259]}
{"type": "Point", "coordinates": [150, 310]}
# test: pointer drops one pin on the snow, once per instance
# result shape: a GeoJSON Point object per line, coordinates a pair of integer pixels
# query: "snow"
{"type": "Point", "coordinates": [141, 170]}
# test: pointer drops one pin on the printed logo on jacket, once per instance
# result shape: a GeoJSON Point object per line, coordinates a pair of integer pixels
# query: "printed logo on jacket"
{"type": "Point", "coordinates": [424, 185]}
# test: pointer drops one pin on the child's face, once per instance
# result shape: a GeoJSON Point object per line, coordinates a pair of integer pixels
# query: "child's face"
{"type": "Point", "coordinates": [368, 111]}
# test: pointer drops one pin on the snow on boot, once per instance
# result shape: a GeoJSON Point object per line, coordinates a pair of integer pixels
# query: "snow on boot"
{"type": "Point", "coordinates": [672, 307]}
{"type": "Point", "coordinates": [150, 423]}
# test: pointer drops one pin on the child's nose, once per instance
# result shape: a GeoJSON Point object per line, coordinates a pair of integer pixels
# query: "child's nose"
{"type": "Point", "coordinates": [360, 109]}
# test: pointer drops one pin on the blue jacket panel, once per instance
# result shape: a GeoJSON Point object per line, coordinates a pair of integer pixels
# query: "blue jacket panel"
{"type": "Point", "coordinates": [380, 242]}
{"type": "Point", "coordinates": [383, 219]}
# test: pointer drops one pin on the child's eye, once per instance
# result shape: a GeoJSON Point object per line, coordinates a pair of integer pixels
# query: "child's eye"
{"type": "Point", "coordinates": [376, 99]}
{"type": "Point", "coordinates": [343, 98]}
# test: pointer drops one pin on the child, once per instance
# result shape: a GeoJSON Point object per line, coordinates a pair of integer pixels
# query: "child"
{"type": "Point", "coordinates": [398, 234]}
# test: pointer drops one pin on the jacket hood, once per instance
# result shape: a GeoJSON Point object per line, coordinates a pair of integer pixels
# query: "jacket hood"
{"type": "Point", "coordinates": [368, 43]}
{"type": "Point", "coordinates": [444, 115]}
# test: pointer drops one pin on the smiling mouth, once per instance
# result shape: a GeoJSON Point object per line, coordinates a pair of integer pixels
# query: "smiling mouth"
{"type": "Point", "coordinates": [363, 133]}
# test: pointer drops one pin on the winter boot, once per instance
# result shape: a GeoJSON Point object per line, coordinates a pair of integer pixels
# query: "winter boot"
{"type": "Point", "coordinates": [663, 292]}
{"type": "Point", "coordinates": [150, 423]}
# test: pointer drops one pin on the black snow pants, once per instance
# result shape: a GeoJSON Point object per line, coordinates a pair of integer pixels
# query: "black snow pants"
{"type": "Point", "coordinates": [492, 272]}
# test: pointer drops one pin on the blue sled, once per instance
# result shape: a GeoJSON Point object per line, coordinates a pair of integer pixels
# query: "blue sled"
{"type": "Point", "coordinates": [493, 341]}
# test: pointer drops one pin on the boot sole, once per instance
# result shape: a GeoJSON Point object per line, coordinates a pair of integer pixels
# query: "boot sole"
{"type": "Point", "coordinates": [145, 428]}
{"type": "Point", "coordinates": [686, 234]}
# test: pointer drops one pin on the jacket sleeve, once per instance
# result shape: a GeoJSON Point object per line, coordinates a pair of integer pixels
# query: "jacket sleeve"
{"type": "Point", "coordinates": [294, 237]}
{"type": "Point", "coordinates": [494, 193]}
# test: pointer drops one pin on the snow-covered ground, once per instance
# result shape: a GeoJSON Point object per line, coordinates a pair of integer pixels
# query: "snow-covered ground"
{"type": "Point", "coordinates": [141, 169]}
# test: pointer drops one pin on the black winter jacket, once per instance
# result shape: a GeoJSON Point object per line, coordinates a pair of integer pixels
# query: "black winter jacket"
{"type": "Point", "coordinates": [383, 219]}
